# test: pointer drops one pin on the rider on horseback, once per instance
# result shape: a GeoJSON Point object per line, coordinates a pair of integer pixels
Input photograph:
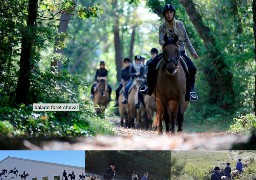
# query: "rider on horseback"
{"type": "Point", "coordinates": [172, 28]}
{"type": "Point", "coordinates": [125, 76]}
{"type": "Point", "coordinates": [154, 53]}
{"type": "Point", "coordinates": [102, 72]}
{"type": "Point", "coordinates": [135, 70]}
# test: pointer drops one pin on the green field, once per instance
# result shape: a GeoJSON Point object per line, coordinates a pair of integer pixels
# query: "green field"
{"type": "Point", "coordinates": [197, 164]}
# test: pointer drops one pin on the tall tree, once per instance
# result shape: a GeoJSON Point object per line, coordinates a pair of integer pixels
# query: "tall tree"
{"type": "Point", "coordinates": [237, 17]}
{"type": "Point", "coordinates": [64, 20]}
{"type": "Point", "coordinates": [218, 73]}
{"type": "Point", "coordinates": [132, 42]}
{"type": "Point", "coordinates": [254, 31]}
{"type": "Point", "coordinates": [23, 85]}
{"type": "Point", "coordinates": [117, 42]}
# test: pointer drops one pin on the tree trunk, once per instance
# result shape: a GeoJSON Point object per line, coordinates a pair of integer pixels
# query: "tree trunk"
{"type": "Point", "coordinates": [218, 74]}
{"type": "Point", "coordinates": [254, 31]}
{"type": "Point", "coordinates": [23, 85]}
{"type": "Point", "coordinates": [237, 17]}
{"type": "Point", "coordinates": [117, 43]}
{"type": "Point", "coordinates": [132, 42]}
{"type": "Point", "coordinates": [64, 20]}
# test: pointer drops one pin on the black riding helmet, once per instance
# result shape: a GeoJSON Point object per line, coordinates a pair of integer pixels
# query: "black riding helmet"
{"type": "Point", "coordinates": [154, 50]}
{"type": "Point", "coordinates": [102, 62]}
{"type": "Point", "coordinates": [126, 60]}
{"type": "Point", "coordinates": [138, 57]}
{"type": "Point", "coordinates": [168, 7]}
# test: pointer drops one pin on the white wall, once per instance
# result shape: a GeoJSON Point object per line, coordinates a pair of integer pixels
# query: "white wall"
{"type": "Point", "coordinates": [35, 170]}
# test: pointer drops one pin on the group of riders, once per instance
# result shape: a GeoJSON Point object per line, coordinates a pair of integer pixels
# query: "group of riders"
{"type": "Point", "coordinates": [226, 173]}
{"type": "Point", "coordinates": [170, 31]}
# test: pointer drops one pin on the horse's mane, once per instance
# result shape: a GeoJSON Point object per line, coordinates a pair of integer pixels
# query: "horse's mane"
{"type": "Point", "coordinates": [170, 42]}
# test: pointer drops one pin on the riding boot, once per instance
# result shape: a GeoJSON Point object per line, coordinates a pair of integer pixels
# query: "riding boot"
{"type": "Point", "coordinates": [151, 82]}
{"type": "Point", "coordinates": [137, 105]}
{"type": "Point", "coordinates": [193, 95]}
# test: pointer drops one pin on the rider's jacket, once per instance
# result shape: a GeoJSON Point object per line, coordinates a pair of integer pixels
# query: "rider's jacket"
{"type": "Point", "coordinates": [125, 75]}
{"type": "Point", "coordinates": [135, 68]}
{"type": "Point", "coordinates": [180, 31]}
{"type": "Point", "coordinates": [101, 73]}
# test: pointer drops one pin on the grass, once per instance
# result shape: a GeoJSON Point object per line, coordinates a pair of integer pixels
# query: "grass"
{"type": "Point", "coordinates": [198, 163]}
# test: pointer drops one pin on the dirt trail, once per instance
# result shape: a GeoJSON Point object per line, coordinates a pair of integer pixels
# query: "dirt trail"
{"type": "Point", "coordinates": [131, 139]}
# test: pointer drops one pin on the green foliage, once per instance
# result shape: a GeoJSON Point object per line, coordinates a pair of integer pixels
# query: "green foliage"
{"type": "Point", "coordinates": [6, 128]}
{"type": "Point", "coordinates": [250, 172]}
{"type": "Point", "coordinates": [46, 86]}
{"type": "Point", "coordinates": [244, 124]}
{"type": "Point", "coordinates": [177, 168]}
{"type": "Point", "coordinates": [197, 172]}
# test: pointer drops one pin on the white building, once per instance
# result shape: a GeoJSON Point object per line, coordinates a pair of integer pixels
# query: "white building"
{"type": "Point", "coordinates": [12, 168]}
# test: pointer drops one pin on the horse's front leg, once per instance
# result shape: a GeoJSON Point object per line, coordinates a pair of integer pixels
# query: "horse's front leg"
{"type": "Point", "coordinates": [180, 117]}
{"type": "Point", "coordinates": [167, 120]}
{"type": "Point", "coordinates": [159, 115]}
{"type": "Point", "coordinates": [173, 110]}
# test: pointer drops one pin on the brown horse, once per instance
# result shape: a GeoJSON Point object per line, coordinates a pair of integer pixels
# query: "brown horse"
{"type": "Point", "coordinates": [132, 111]}
{"type": "Point", "coordinates": [101, 96]}
{"type": "Point", "coordinates": [123, 108]}
{"type": "Point", "coordinates": [170, 90]}
{"type": "Point", "coordinates": [150, 109]}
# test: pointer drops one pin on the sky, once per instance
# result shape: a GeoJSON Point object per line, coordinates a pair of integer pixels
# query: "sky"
{"type": "Point", "coordinates": [73, 158]}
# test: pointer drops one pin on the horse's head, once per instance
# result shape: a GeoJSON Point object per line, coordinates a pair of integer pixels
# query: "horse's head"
{"type": "Point", "coordinates": [171, 56]}
{"type": "Point", "coordinates": [101, 86]}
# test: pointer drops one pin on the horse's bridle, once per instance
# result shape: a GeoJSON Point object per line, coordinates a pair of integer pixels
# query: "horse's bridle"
{"type": "Point", "coordinates": [174, 61]}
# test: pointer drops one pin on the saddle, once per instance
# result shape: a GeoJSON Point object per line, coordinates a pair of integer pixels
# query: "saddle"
{"type": "Point", "coordinates": [133, 84]}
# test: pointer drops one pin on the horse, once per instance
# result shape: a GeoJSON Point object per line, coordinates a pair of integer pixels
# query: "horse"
{"type": "Point", "coordinates": [101, 96]}
{"type": "Point", "coordinates": [132, 111]}
{"type": "Point", "coordinates": [123, 108]}
{"type": "Point", "coordinates": [24, 176]}
{"type": "Point", "coordinates": [225, 178]}
{"type": "Point", "coordinates": [81, 177]}
{"type": "Point", "coordinates": [4, 171]}
{"type": "Point", "coordinates": [235, 174]}
{"type": "Point", "coordinates": [170, 90]}
{"type": "Point", "coordinates": [150, 109]}
{"type": "Point", "coordinates": [72, 176]}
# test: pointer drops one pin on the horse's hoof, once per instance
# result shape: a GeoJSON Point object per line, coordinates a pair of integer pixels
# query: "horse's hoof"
{"type": "Point", "coordinates": [160, 133]}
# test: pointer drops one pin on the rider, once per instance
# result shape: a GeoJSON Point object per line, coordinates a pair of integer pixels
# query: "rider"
{"type": "Point", "coordinates": [154, 53]}
{"type": "Point", "coordinates": [216, 174]}
{"type": "Point", "coordinates": [101, 72]}
{"type": "Point", "coordinates": [227, 170]}
{"type": "Point", "coordinates": [110, 172]}
{"type": "Point", "coordinates": [239, 166]}
{"type": "Point", "coordinates": [172, 28]}
{"type": "Point", "coordinates": [125, 76]}
{"type": "Point", "coordinates": [135, 70]}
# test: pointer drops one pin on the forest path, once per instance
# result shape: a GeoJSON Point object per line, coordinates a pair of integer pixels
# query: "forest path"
{"type": "Point", "coordinates": [131, 139]}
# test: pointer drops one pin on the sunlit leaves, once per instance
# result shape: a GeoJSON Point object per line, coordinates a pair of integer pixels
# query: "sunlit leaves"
{"type": "Point", "coordinates": [91, 11]}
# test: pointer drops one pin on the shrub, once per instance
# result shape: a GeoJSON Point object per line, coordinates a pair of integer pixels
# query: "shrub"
{"type": "Point", "coordinates": [243, 124]}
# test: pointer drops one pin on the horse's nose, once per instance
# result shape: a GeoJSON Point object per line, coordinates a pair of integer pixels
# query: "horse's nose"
{"type": "Point", "coordinates": [170, 70]}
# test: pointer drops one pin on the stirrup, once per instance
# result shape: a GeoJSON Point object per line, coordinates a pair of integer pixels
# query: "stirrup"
{"type": "Point", "coordinates": [143, 89]}
{"type": "Point", "coordinates": [91, 96]}
{"type": "Point", "coordinates": [193, 96]}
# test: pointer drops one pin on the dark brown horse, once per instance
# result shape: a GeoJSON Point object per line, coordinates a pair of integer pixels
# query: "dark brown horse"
{"type": "Point", "coordinates": [170, 90]}
{"type": "Point", "coordinates": [101, 96]}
